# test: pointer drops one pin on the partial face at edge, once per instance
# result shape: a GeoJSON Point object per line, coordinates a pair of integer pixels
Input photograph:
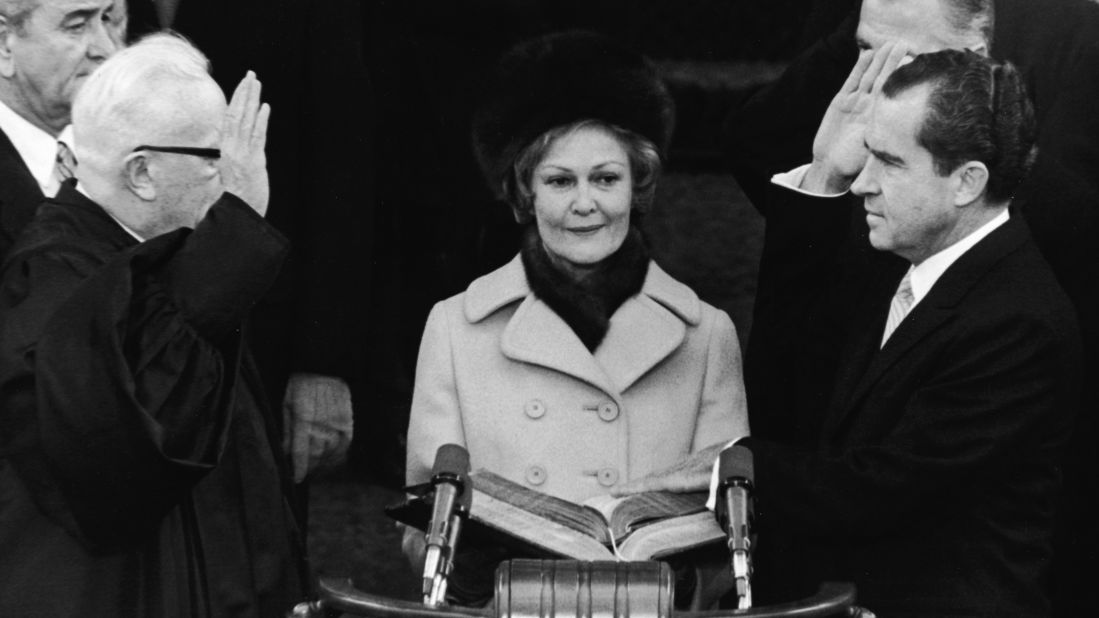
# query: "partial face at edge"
{"type": "Point", "coordinates": [59, 45]}
{"type": "Point", "coordinates": [583, 191]}
{"type": "Point", "coordinates": [921, 24]}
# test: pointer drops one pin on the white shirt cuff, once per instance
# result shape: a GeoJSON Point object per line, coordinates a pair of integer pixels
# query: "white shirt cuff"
{"type": "Point", "coordinates": [792, 180]}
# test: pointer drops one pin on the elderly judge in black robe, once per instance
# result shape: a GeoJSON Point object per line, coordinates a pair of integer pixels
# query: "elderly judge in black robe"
{"type": "Point", "coordinates": [139, 473]}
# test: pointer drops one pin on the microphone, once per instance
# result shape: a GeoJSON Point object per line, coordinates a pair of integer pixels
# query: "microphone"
{"type": "Point", "coordinates": [735, 513]}
{"type": "Point", "coordinates": [453, 497]}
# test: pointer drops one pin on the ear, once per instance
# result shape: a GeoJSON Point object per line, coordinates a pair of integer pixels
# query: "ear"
{"type": "Point", "coordinates": [971, 180]}
{"type": "Point", "coordinates": [137, 176]}
{"type": "Point", "coordinates": [7, 39]}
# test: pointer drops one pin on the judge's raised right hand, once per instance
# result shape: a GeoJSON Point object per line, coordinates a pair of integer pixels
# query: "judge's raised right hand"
{"type": "Point", "coordinates": [243, 139]}
{"type": "Point", "coordinates": [839, 149]}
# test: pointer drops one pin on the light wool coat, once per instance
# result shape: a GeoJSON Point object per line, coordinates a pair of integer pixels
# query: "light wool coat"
{"type": "Point", "coordinates": [501, 374]}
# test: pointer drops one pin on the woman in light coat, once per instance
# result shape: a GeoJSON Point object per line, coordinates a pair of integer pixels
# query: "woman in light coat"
{"type": "Point", "coordinates": [580, 365]}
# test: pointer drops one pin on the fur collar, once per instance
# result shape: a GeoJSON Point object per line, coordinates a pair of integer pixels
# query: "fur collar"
{"type": "Point", "coordinates": [508, 285]}
{"type": "Point", "coordinates": [588, 304]}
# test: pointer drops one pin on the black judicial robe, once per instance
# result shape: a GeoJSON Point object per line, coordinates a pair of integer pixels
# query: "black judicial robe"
{"type": "Point", "coordinates": [138, 470]}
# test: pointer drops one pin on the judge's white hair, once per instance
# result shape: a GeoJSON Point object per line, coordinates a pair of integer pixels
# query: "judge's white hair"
{"type": "Point", "coordinates": [136, 96]}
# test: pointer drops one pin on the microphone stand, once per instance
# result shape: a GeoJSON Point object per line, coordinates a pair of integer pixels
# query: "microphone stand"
{"type": "Point", "coordinates": [738, 509]}
{"type": "Point", "coordinates": [435, 594]}
{"type": "Point", "coordinates": [736, 468]}
{"type": "Point", "coordinates": [452, 501]}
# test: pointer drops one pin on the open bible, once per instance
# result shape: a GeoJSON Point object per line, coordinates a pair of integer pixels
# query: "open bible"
{"type": "Point", "coordinates": [638, 527]}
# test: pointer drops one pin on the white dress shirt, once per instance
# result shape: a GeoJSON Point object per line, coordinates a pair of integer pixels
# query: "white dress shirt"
{"type": "Point", "coordinates": [927, 272]}
{"type": "Point", "coordinates": [792, 180]}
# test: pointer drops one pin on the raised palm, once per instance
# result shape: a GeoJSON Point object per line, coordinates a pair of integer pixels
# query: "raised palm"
{"type": "Point", "coordinates": [243, 140]}
{"type": "Point", "coordinates": [839, 146]}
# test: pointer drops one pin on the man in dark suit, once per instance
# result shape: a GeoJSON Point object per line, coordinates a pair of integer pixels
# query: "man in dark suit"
{"type": "Point", "coordinates": [934, 483]}
{"type": "Point", "coordinates": [793, 350]}
{"type": "Point", "coordinates": [775, 131]}
{"type": "Point", "coordinates": [47, 49]}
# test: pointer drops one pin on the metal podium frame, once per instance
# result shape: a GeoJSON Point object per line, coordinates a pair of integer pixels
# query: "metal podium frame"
{"type": "Point", "coordinates": [567, 588]}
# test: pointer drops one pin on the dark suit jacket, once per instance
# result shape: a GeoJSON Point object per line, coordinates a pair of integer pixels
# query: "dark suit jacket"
{"type": "Point", "coordinates": [1055, 45]}
{"type": "Point", "coordinates": [934, 483]}
{"type": "Point", "coordinates": [20, 195]}
{"type": "Point", "coordinates": [792, 354]}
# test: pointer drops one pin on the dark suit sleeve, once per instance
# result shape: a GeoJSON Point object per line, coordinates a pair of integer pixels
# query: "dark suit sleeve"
{"type": "Point", "coordinates": [773, 131]}
{"type": "Point", "coordinates": [997, 396]}
{"type": "Point", "coordinates": [808, 274]}
{"type": "Point", "coordinates": [127, 379]}
{"type": "Point", "coordinates": [802, 256]}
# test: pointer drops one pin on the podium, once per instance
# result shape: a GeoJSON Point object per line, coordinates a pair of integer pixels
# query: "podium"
{"type": "Point", "coordinates": [568, 589]}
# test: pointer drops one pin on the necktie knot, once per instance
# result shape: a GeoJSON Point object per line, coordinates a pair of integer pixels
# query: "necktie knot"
{"type": "Point", "coordinates": [899, 308]}
{"type": "Point", "coordinates": [904, 290]}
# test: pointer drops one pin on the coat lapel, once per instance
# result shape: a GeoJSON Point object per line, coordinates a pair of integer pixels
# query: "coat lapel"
{"type": "Point", "coordinates": [537, 335]}
{"type": "Point", "coordinates": [864, 338]}
{"type": "Point", "coordinates": [924, 319]}
{"type": "Point", "coordinates": [934, 310]}
{"type": "Point", "coordinates": [643, 332]}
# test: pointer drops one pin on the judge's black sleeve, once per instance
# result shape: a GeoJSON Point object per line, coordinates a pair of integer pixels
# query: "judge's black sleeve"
{"type": "Point", "coordinates": [117, 378]}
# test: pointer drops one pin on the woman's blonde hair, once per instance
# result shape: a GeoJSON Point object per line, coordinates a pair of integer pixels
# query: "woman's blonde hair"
{"type": "Point", "coordinates": [643, 156]}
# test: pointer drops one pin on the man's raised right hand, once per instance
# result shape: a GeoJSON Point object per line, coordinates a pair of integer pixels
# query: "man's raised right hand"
{"type": "Point", "coordinates": [243, 139]}
{"type": "Point", "coordinates": [839, 149]}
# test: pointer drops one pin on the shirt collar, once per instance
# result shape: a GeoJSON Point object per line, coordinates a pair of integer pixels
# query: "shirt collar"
{"type": "Point", "coordinates": [37, 148]}
{"type": "Point", "coordinates": [928, 271]}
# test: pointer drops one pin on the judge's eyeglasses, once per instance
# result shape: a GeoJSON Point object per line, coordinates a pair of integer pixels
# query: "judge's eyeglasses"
{"type": "Point", "coordinates": [206, 153]}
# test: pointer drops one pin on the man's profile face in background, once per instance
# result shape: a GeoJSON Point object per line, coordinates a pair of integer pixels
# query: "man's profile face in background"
{"type": "Point", "coordinates": [50, 54]}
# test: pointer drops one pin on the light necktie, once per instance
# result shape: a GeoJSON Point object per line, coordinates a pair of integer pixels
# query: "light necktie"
{"type": "Point", "coordinates": [901, 305]}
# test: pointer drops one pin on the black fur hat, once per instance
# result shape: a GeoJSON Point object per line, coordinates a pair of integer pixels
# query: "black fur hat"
{"type": "Point", "coordinates": [562, 78]}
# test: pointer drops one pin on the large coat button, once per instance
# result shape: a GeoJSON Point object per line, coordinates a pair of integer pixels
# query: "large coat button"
{"type": "Point", "coordinates": [536, 475]}
{"type": "Point", "coordinates": [607, 477]}
{"type": "Point", "coordinates": [608, 411]}
{"type": "Point", "coordinates": [535, 408]}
